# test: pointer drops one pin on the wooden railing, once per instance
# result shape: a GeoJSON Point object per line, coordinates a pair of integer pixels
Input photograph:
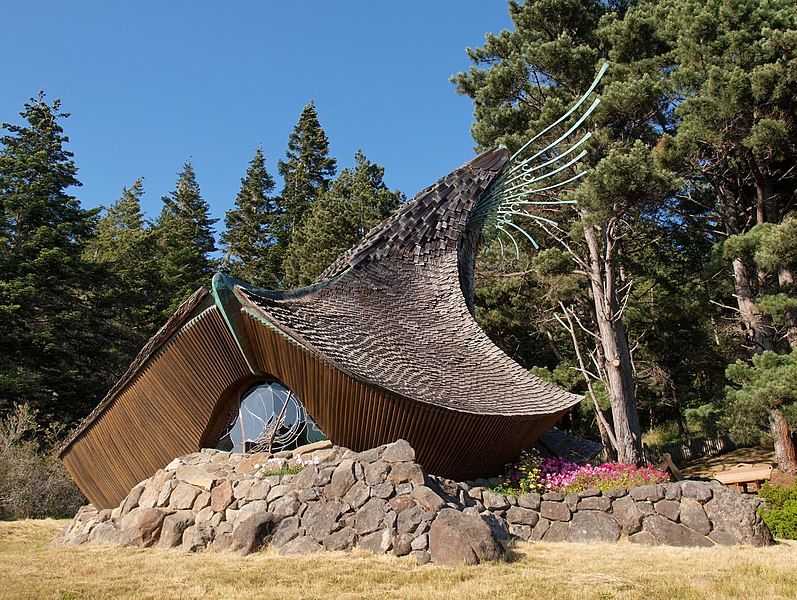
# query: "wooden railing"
{"type": "Point", "coordinates": [681, 452]}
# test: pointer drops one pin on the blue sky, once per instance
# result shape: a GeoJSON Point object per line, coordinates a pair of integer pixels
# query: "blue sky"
{"type": "Point", "coordinates": [152, 84]}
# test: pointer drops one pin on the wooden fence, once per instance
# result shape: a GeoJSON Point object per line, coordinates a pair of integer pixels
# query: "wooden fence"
{"type": "Point", "coordinates": [690, 449]}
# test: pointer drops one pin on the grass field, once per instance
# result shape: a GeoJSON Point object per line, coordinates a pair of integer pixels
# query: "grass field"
{"type": "Point", "coordinates": [29, 569]}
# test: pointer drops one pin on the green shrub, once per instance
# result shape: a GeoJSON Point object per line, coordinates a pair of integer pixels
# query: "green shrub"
{"type": "Point", "coordinates": [33, 482]}
{"type": "Point", "coordinates": [780, 510]}
{"type": "Point", "coordinates": [280, 471]}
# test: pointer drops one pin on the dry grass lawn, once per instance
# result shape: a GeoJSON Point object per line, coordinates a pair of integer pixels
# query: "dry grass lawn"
{"type": "Point", "coordinates": [29, 569]}
{"type": "Point", "coordinates": [707, 466]}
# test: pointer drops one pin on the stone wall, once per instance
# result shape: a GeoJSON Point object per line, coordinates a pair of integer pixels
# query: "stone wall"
{"type": "Point", "coordinates": [382, 501]}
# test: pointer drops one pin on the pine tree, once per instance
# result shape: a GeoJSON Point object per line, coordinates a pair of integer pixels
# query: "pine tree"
{"type": "Point", "coordinates": [125, 248]}
{"type": "Point", "coordinates": [357, 200]}
{"type": "Point", "coordinates": [185, 240]}
{"type": "Point", "coordinates": [524, 80]}
{"type": "Point", "coordinates": [733, 63]}
{"type": "Point", "coordinates": [50, 349]}
{"type": "Point", "coordinates": [306, 171]}
{"type": "Point", "coordinates": [251, 228]}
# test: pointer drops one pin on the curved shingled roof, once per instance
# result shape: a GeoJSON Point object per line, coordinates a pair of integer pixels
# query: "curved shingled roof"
{"type": "Point", "coordinates": [383, 346]}
{"type": "Point", "coordinates": [393, 310]}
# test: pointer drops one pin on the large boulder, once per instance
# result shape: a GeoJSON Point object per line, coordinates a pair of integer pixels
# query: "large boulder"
{"type": "Point", "coordinates": [456, 538]}
{"type": "Point", "coordinates": [737, 517]}
{"type": "Point", "coordinates": [174, 526]}
{"type": "Point", "coordinates": [251, 534]}
{"type": "Point", "coordinates": [141, 526]}
{"type": "Point", "coordinates": [591, 526]}
{"type": "Point", "coordinates": [668, 533]}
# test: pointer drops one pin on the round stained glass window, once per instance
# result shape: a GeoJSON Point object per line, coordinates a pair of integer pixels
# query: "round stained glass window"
{"type": "Point", "coordinates": [269, 416]}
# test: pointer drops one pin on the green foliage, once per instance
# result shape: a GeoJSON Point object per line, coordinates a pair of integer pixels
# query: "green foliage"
{"type": "Point", "coordinates": [279, 472]}
{"type": "Point", "coordinates": [780, 510]}
{"type": "Point", "coordinates": [125, 249]}
{"type": "Point", "coordinates": [522, 476]}
{"type": "Point", "coordinates": [184, 233]}
{"type": "Point", "coordinates": [33, 483]}
{"type": "Point", "coordinates": [252, 227]}
{"type": "Point", "coordinates": [50, 324]}
{"type": "Point", "coordinates": [355, 202]}
{"type": "Point", "coordinates": [769, 381]}
{"type": "Point", "coordinates": [307, 172]}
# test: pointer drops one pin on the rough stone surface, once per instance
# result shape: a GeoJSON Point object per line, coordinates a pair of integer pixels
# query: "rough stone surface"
{"type": "Point", "coordinates": [222, 496]}
{"type": "Point", "coordinates": [625, 511]}
{"type": "Point", "coordinates": [696, 491]}
{"type": "Point", "coordinates": [737, 515]}
{"type": "Point", "coordinates": [369, 517]}
{"type": "Point", "coordinates": [300, 546]}
{"type": "Point", "coordinates": [399, 451]}
{"type": "Point", "coordinates": [197, 537]}
{"type": "Point", "coordinates": [378, 542]}
{"type": "Point", "coordinates": [554, 511]}
{"type": "Point", "coordinates": [322, 519]}
{"type": "Point", "coordinates": [522, 516]}
{"type": "Point", "coordinates": [183, 496]}
{"type": "Point", "coordinates": [427, 498]}
{"type": "Point", "coordinates": [693, 516]}
{"type": "Point", "coordinates": [173, 527]}
{"type": "Point", "coordinates": [382, 501]}
{"type": "Point", "coordinates": [594, 503]}
{"type": "Point", "coordinates": [343, 539]}
{"type": "Point", "coordinates": [456, 538]}
{"type": "Point", "coordinates": [668, 508]}
{"type": "Point", "coordinates": [531, 501]}
{"type": "Point", "coordinates": [342, 479]}
{"type": "Point", "coordinates": [286, 530]}
{"type": "Point", "coordinates": [593, 526]}
{"type": "Point", "coordinates": [673, 534]}
{"type": "Point", "coordinates": [143, 525]}
{"type": "Point", "coordinates": [252, 533]}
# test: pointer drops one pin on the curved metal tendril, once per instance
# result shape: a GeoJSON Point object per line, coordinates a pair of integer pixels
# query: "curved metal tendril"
{"type": "Point", "coordinates": [517, 185]}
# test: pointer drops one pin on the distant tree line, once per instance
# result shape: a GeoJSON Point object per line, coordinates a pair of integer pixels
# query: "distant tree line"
{"type": "Point", "coordinates": [82, 290]}
{"type": "Point", "coordinates": [666, 296]}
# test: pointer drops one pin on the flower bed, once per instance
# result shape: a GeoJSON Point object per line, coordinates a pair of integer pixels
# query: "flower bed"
{"type": "Point", "coordinates": [531, 473]}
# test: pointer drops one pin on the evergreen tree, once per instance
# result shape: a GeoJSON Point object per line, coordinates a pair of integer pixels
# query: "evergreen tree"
{"type": "Point", "coordinates": [357, 200]}
{"type": "Point", "coordinates": [306, 171]}
{"type": "Point", "coordinates": [734, 64]}
{"type": "Point", "coordinates": [48, 322]}
{"type": "Point", "coordinates": [125, 248]}
{"type": "Point", "coordinates": [184, 232]}
{"type": "Point", "coordinates": [523, 81]}
{"type": "Point", "coordinates": [251, 228]}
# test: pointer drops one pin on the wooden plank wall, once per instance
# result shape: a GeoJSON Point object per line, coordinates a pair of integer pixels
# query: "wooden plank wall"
{"type": "Point", "coordinates": [161, 414]}
{"type": "Point", "coordinates": [358, 416]}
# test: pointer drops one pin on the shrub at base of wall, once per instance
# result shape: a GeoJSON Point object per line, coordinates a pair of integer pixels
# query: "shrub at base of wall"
{"type": "Point", "coordinates": [324, 497]}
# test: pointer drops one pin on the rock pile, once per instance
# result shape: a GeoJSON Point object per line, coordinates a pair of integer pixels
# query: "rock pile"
{"type": "Point", "coordinates": [685, 513]}
{"type": "Point", "coordinates": [382, 501]}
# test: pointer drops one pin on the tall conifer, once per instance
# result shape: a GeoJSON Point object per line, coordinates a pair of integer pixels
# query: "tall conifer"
{"type": "Point", "coordinates": [185, 239]}
{"type": "Point", "coordinates": [306, 171]}
{"type": "Point", "coordinates": [47, 316]}
{"type": "Point", "coordinates": [251, 228]}
{"type": "Point", "coordinates": [125, 247]}
{"type": "Point", "coordinates": [357, 200]}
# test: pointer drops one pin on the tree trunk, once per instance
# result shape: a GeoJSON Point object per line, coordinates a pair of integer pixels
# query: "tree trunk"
{"type": "Point", "coordinates": [786, 281]}
{"type": "Point", "coordinates": [617, 358]}
{"type": "Point", "coordinates": [756, 326]}
{"type": "Point", "coordinates": [785, 453]}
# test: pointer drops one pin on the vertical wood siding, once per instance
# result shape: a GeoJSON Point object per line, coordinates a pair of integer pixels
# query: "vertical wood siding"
{"type": "Point", "coordinates": [162, 413]}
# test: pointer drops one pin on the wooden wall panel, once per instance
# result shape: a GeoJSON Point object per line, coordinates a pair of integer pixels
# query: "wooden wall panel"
{"type": "Point", "coordinates": [161, 414]}
{"type": "Point", "coordinates": [448, 443]}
